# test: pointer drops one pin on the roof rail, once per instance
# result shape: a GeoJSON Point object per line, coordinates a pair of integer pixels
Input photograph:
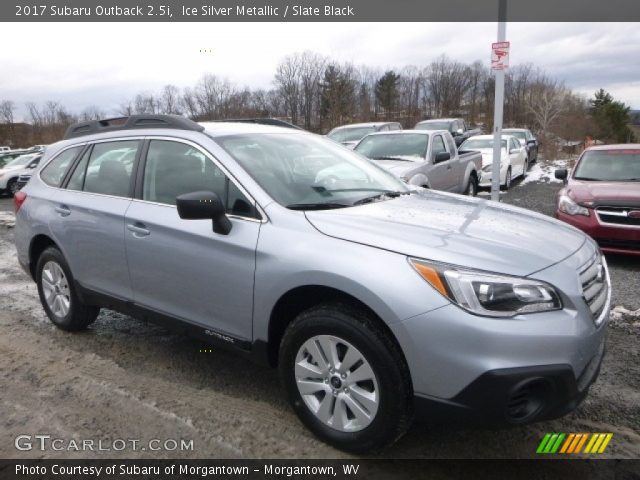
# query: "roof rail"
{"type": "Point", "coordinates": [130, 123]}
{"type": "Point", "coordinates": [276, 122]}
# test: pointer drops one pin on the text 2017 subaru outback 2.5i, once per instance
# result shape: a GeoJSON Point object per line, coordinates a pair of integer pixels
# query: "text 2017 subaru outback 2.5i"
{"type": "Point", "coordinates": [375, 300]}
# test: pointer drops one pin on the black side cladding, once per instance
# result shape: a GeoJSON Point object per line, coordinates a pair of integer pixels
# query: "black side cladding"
{"type": "Point", "coordinates": [131, 123]}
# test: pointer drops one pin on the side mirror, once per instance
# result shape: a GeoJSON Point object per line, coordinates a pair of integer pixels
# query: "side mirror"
{"type": "Point", "coordinates": [442, 157]}
{"type": "Point", "coordinates": [33, 165]}
{"type": "Point", "coordinates": [532, 142]}
{"type": "Point", "coordinates": [561, 174]}
{"type": "Point", "coordinates": [459, 131]}
{"type": "Point", "coordinates": [204, 205]}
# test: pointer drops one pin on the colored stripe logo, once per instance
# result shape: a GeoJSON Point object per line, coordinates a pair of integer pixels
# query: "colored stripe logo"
{"type": "Point", "coordinates": [573, 443]}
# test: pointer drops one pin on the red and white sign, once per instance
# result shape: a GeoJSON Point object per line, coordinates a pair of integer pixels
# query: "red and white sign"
{"type": "Point", "coordinates": [500, 56]}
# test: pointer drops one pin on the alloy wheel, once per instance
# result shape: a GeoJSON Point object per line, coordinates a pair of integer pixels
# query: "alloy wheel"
{"type": "Point", "coordinates": [337, 383]}
{"type": "Point", "coordinates": [56, 289]}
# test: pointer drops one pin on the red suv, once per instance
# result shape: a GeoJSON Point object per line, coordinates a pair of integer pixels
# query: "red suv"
{"type": "Point", "coordinates": [601, 197]}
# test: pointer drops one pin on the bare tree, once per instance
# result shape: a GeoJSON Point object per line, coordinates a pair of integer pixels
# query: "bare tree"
{"type": "Point", "coordinates": [92, 112]}
{"type": "Point", "coordinates": [287, 81]}
{"type": "Point", "coordinates": [170, 100]}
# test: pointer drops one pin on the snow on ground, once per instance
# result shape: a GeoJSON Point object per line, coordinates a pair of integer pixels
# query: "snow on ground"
{"type": "Point", "coordinates": [7, 219]}
{"type": "Point", "coordinates": [544, 172]}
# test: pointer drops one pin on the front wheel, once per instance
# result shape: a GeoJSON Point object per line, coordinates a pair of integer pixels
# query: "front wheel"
{"type": "Point", "coordinates": [345, 378]}
{"type": "Point", "coordinates": [57, 293]}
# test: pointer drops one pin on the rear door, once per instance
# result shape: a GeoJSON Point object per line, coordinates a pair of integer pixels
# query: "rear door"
{"type": "Point", "coordinates": [181, 268]}
{"type": "Point", "coordinates": [89, 215]}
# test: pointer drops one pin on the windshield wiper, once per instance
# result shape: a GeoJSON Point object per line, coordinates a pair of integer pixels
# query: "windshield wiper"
{"type": "Point", "coordinates": [588, 179]}
{"type": "Point", "coordinates": [316, 206]}
{"type": "Point", "coordinates": [389, 157]}
{"type": "Point", "coordinates": [380, 196]}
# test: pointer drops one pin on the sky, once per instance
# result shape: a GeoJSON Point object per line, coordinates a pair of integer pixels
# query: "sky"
{"type": "Point", "coordinates": [104, 64]}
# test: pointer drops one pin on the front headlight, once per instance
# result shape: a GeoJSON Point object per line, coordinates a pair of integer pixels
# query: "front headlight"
{"type": "Point", "coordinates": [568, 206]}
{"type": "Point", "coordinates": [488, 294]}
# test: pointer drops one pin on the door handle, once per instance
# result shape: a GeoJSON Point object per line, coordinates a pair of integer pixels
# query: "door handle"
{"type": "Point", "coordinates": [63, 210]}
{"type": "Point", "coordinates": [139, 229]}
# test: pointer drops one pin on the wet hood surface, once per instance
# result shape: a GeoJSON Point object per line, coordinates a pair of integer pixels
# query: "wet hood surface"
{"type": "Point", "coordinates": [601, 193]}
{"type": "Point", "coordinates": [455, 229]}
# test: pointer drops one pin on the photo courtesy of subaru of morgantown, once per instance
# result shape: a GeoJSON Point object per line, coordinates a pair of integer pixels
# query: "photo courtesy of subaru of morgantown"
{"type": "Point", "coordinates": [340, 248]}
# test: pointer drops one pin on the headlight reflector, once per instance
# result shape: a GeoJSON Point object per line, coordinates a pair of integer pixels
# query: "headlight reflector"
{"type": "Point", "coordinates": [488, 294]}
{"type": "Point", "coordinates": [568, 206]}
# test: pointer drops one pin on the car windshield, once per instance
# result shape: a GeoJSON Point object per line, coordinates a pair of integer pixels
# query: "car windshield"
{"type": "Point", "coordinates": [433, 126]}
{"type": "Point", "coordinates": [299, 170]}
{"type": "Point", "coordinates": [21, 160]}
{"type": "Point", "coordinates": [609, 165]}
{"type": "Point", "coordinates": [480, 143]}
{"type": "Point", "coordinates": [522, 136]}
{"type": "Point", "coordinates": [406, 146]}
{"type": "Point", "coordinates": [350, 134]}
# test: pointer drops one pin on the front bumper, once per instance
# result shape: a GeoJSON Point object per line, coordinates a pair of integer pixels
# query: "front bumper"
{"type": "Point", "coordinates": [485, 177]}
{"type": "Point", "coordinates": [513, 396]}
{"type": "Point", "coordinates": [610, 238]}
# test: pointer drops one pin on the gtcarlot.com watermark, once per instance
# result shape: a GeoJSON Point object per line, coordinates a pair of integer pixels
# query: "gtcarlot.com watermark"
{"type": "Point", "coordinates": [44, 443]}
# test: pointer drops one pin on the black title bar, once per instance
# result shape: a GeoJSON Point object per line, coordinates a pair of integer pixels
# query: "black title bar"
{"type": "Point", "coordinates": [317, 11]}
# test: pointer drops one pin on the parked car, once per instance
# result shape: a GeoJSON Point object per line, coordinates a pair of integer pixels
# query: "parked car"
{"type": "Point", "coordinates": [513, 161]}
{"type": "Point", "coordinates": [527, 140]}
{"type": "Point", "coordinates": [457, 127]}
{"type": "Point", "coordinates": [11, 171]}
{"type": "Point", "coordinates": [601, 197]}
{"type": "Point", "coordinates": [350, 135]}
{"type": "Point", "coordinates": [375, 302]}
{"type": "Point", "coordinates": [424, 158]}
{"type": "Point", "coordinates": [4, 148]}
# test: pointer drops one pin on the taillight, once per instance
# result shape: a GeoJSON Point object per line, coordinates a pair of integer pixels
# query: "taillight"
{"type": "Point", "coordinates": [18, 199]}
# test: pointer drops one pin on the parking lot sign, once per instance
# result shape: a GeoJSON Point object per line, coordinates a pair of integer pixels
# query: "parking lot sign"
{"type": "Point", "coordinates": [499, 55]}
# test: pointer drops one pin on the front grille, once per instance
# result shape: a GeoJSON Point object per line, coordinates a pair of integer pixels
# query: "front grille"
{"type": "Point", "coordinates": [595, 286]}
{"type": "Point", "coordinates": [619, 216]}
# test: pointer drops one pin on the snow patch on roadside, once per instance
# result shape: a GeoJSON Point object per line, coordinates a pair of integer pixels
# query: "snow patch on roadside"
{"type": "Point", "coordinates": [625, 319]}
{"type": "Point", "coordinates": [543, 172]}
{"type": "Point", "coordinates": [7, 219]}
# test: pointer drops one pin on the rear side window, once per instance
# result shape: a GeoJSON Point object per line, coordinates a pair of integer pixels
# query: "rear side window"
{"type": "Point", "coordinates": [54, 172]}
{"type": "Point", "coordinates": [109, 168]}
{"type": "Point", "coordinates": [175, 168]}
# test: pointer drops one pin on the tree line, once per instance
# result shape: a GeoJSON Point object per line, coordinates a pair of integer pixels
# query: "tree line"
{"type": "Point", "coordinates": [319, 93]}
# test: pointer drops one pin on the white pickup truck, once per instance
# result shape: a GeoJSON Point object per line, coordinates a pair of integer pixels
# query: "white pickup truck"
{"type": "Point", "coordinates": [424, 158]}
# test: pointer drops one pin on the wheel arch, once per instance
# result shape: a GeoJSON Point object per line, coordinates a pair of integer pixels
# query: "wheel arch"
{"type": "Point", "coordinates": [38, 244]}
{"type": "Point", "coordinates": [301, 298]}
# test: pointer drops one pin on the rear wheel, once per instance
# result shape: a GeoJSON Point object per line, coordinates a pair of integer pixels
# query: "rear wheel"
{"type": "Point", "coordinates": [57, 293]}
{"type": "Point", "coordinates": [345, 379]}
{"type": "Point", "coordinates": [507, 181]}
{"type": "Point", "coordinates": [472, 187]}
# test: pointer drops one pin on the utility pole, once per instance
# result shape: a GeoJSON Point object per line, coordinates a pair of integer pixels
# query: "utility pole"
{"type": "Point", "coordinates": [498, 106]}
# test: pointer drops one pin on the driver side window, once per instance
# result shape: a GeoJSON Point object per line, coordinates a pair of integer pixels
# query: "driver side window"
{"type": "Point", "coordinates": [438, 147]}
{"type": "Point", "coordinates": [175, 168]}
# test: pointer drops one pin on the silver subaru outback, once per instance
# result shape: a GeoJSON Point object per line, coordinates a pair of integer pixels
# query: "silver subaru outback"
{"type": "Point", "coordinates": [377, 301]}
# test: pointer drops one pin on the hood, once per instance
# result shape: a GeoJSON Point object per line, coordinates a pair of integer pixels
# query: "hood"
{"type": "Point", "coordinates": [455, 229]}
{"type": "Point", "coordinates": [601, 193]}
{"type": "Point", "coordinates": [12, 168]}
{"type": "Point", "coordinates": [397, 167]}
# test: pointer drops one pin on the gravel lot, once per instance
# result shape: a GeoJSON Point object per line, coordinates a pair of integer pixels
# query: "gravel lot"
{"type": "Point", "coordinates": [124, 378]}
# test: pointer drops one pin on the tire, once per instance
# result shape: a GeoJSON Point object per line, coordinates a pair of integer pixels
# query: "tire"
{"type": "Point", "coordinates": [507, 181]}
{"type": "Point", "coordinates": [472, 187]}
{"type": "Point", "coordinates": [12, 187]}
{"type": "Point", "coordinates": [385, 395]}
{"type": "Point", "coordinates": [57, 293]}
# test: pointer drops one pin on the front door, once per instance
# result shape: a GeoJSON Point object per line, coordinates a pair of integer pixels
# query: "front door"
{"type": "Point", "coordinates": [181, 268]}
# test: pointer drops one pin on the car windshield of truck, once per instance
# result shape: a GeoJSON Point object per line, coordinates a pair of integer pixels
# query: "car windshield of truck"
{"type": "Point", "coordinates": [433, 126]}
{"type": "Point", "coordinates": [609, 166]}
{"type": "Point", "coordinates": [350, 134]}
{"type": "Point", "coordinates": [303, 171]}
{"type": "Point", "coordinates": [480, 144]}
{"type": "Point", "coordinates": [407, 146]}
{"type": "Point", "coordinates": [21, 160]}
